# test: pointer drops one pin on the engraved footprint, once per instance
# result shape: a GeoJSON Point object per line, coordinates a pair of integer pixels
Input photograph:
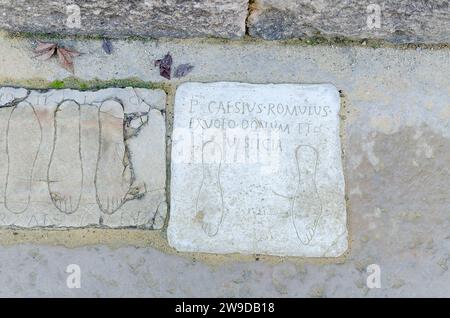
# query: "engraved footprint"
{"type": "Point", "coordinates": [113, 177]}
{"type": "Point", "coordinates": [65, 169]}
{"type": "Point", "coordinates": [306, 208]}
{"type": "Point", "coordinates": [23, 141]}
{"type": "Point", "coordinates": [209, 204]}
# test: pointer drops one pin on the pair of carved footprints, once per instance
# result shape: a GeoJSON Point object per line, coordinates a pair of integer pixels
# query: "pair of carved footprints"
{"type": "Point", "coordinates": [305, 206]}
{"type": "Point", "coordinates": [65, 176]}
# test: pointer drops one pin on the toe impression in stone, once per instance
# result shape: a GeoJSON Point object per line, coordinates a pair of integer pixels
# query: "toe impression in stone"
{"type": "Point", "coordinates": [23, 141]}
{"type": "Point", "coordinates": [209, 203]}
{"type": "Point", "coordinates": [65, 169]}
{"type": "Point", "coordinates": [306, 205]}
{"type": "Point", "coordinates": [113, 177]}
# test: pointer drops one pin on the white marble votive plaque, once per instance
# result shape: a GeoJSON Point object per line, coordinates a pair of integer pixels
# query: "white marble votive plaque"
{"type": "Point", "coordinates": [256, 169]}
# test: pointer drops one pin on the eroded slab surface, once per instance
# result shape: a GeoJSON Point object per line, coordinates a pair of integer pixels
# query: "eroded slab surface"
{"type": "Point", "coordinates": [117, 18]}
{"type": "Point", "coordinates": [257, 169]}
{"type": "Point", "coordinates": [74, 159]}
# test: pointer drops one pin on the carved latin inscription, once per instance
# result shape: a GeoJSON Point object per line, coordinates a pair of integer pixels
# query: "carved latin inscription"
{"type": "Point", "coordinates": [257, 169]}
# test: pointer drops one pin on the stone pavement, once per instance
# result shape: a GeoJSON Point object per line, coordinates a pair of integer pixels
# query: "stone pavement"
{"type": "Point", "coordinates": [395, 130]}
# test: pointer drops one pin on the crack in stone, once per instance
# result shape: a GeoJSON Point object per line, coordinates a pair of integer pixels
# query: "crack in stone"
{"type": "Point", "coordinates": [16, 101]}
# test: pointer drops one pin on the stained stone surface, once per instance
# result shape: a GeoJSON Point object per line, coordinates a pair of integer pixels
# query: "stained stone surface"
{"type": "Point", "coordinates": [400, 21]}
{"type": "Point", "coordinates": [74, 159]}
{"type": "Point", "coordinates": [115, 18]}
{"type": "Point", "coordinates": [257, 169]}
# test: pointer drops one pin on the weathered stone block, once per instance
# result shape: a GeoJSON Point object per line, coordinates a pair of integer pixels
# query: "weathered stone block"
{"type": "Point", "coordinates": [113, 18]}
{"type": "Point", "coordinates": [74, 159]}
{"type": "Point", "coordinates": [257, 169]}
{"type": "Point", "coordinates": [396, 21]}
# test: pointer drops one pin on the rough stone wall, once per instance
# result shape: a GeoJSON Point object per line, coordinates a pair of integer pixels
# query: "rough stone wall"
{"type": "Point", "coordinates": [395, 21]}
{"type": "Point", "coordinates": [404, 21]}
{"type": "Point", "coordinates": [114, 18]}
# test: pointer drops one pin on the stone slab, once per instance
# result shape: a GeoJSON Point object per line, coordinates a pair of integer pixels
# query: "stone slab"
{"type": "Point", "coordinates": [256, 169]}
{"type": "Point", "coordinates": [116, 18]}
{"type": "Point", "coordinates": [403, 21]}
{"type": "Point", "coordinates": [82, 158]}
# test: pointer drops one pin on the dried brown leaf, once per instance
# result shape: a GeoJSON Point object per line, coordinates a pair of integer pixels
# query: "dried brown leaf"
{"type": "Point", "coordinates": [72, 52]}
{"type": "Point", "coordinates": [107, 46]}
{"type": "Point", "coordinates": [65, 55]}
{"type": "Point", "coordinates": [165, 66]}
{"type": "Point", "coordinates": [42, 47]}
{"type": "Point", "coordinates": [183, 70]}
{"type": "Point", "coordinates": [65, 59]}
{"type": "Point", "coordinates": [46, 54]}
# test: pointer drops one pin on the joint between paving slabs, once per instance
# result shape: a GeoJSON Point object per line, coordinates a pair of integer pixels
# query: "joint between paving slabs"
{"type": "Point", "coordinates": [16, 101]}
{"type": "Point", "coordinates": [343, 115]}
